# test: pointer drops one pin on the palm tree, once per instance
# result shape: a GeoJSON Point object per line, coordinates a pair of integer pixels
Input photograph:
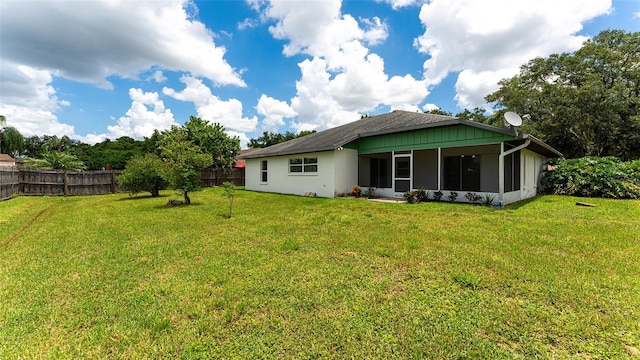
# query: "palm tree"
{"type": "Point", "coordinates": [56, 160]}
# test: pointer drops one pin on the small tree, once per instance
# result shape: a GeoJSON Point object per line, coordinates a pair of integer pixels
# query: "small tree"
{"type": "Point", "coordinates": [183, 160]}
{"type": "Point", "coordinates": [229, 192]}
{"type": "Point", "coordinates": [143, 173]}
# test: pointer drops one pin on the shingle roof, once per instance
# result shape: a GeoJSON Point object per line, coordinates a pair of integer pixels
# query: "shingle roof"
{"type": "Point", "coordinates": [393, 122]}
{"type": "Point", "coordinates": [6, 158]}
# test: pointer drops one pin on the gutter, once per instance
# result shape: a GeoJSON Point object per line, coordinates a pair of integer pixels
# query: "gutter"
{"type": "Point", "coordinates": [501, 167]}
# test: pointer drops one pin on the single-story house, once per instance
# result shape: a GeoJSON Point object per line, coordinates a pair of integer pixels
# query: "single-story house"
{"type": "Point", "coordinates": [8, 160]}
{"type": "Point", "coordinates": [400, 151]}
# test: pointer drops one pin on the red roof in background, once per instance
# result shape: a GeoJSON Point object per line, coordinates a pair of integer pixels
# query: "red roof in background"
{"type": "Point", "coordinates": [242, 163]}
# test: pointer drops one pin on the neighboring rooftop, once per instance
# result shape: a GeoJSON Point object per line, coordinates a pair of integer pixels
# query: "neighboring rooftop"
{"type": "Point", "coordinates": [392, 122]}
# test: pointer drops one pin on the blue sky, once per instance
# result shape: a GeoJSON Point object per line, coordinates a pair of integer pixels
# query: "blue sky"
{"type": "Point", "coordinates": [103, 69]}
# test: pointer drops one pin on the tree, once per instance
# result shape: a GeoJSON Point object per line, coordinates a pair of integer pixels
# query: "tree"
{"type": "Point", "coordinates": [143, 173]}
{"type": "Point", "coordinates": [3, 123]}
{"type": "Point", "coordinates": [183, 159]}
{"type": "Point", "coordinates": [477, 115]}
{"type": "Point", "coordinates": [230, 193]}
{"type": "Point", "coordinates": [584, 103]}
{"type": "Point", "coordinates": [213, 140]}
{"type": "Point", "coordinates": [54, 143]}
{"type": "Point", "coordinates": [152, 144]}
{"type": "Point", "coordinates": [11, 141]}
{"type": "Point", "coordinates": [33, 146]}
{"type": "Point", "coordinates": [58, 160]}
{"type": "Point", "coordinates": [438, 112]}
{"type": "Point", "coordinates": [268, 138]}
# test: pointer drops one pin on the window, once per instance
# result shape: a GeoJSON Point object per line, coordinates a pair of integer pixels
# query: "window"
{"type": "Point", "coordinates": [512, 172]}
{"type": "Point", "coordinates": [403, 167]}
{"type": "Point", "coordinates": [462, 173]}
{"type": "Point", "coordinates": [303, 165]}
{"type": "Point", "coordinates": [263, 171]}
{"type": "Point", "coordinates": [402, 181]}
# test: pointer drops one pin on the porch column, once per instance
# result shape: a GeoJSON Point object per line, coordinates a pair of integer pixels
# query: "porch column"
{"type": "Point", "coordinates": [501, 174]}
{"type": "Point", "coordinates": [439, 167]}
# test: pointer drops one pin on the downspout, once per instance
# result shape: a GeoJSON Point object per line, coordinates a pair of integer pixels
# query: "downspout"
{"type": "Point", "coordinates": [501, 166]}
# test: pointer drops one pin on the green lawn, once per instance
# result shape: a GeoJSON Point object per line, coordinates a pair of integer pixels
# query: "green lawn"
{"type": "Point", "coordinates": [292, 277]}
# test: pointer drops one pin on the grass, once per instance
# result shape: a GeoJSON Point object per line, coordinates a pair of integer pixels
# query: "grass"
{"type": "Point", "coordinates": [294, 277]}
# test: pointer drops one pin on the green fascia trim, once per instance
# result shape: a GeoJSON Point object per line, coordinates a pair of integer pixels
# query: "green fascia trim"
{"type": "Point", "coordinates": [444, 137]}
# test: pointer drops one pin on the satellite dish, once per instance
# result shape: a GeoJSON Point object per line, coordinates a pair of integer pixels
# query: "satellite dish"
{"type": "Point", "coordinates": [513, 119]}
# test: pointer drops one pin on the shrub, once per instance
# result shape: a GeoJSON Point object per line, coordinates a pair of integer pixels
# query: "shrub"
{"type": "Point", "coordinates": [437, 196]}
{"type": "Point", "coordinates": [370, 193]}
{"type": "Point", "coordinates": [356, 191]}
{"type": "Point", "coordinates": [606, 177]}
{"type": "Point", "coordinates": [416, 196]}
{"type": "Point", "coordinates": [487, 200]}
{"type": "Point", "coordinates": [473, 197]}
{"type": "Point", "coordinates": [143, 173]}
{"type": "Point", "coordinates": [409, 196]}
{"type": "Point", "coordinates": [453, 196]}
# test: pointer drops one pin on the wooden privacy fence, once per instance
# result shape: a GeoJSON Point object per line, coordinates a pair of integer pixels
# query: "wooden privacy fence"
{"type": "Point", "coordinates": [9, 182]}
{"type": "Point", "coordinates": [68, 183]}
{"type": "Point", "coordinates": [27, 181]}
{"type": "Point", "coordinates": [215, 177]}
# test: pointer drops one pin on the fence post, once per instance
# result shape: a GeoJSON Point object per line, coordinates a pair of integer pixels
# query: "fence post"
{"type": "Point", "coordinates": [113, 182]}
{"type": "Point", "coordinates": [66, 184]}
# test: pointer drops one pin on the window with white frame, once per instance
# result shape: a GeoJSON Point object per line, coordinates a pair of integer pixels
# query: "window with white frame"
{"type": "Point", "coordinates": [307, 165]}
{"type": "Point", "coordinates": [263, 171]}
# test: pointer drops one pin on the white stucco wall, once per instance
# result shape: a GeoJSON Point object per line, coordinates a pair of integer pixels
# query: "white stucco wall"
{"type": "Point", "coordinates": [346, 170]}
{"type": "Point", "coordinates": [337, 172]}
{"type": "Point", "coordinates": [531, 172]}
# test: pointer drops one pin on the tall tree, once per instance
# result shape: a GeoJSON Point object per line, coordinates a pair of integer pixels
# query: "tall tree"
{"type": "Point", "coordinates": [11, 141]}
{"type": "Point", "coordinates": [268, 138]}
{"type": "Point", "coordinates": [584, 103]}
{"type": "Point", "coordinates": [438, 111]}
{"type": "Point", "coordinates": [213, 140]}
{"type": "Point", "coordinates": [33, 146]}
{"type": "Point", "coordinates": [477, 115]}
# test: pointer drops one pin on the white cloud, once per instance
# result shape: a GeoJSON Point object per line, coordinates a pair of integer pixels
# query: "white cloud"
{"type": "Point", "coordinates": [158, 77]}
{"type": "Point", "coordinates": [92, 138]}
{"type": "Point", "coordinates": [485, 45]}
{"type": "Point", "coordinates": [396, 4]}
{"type": "Point", "coordinates": [248, 24]}
{"type": "Point", "coordinates": [209, 107]}
{"type": "Point", "coordinates": [274, 112]}
{"type": "Point", "coordinates": [29, 101]}
{"type": "Point", "coordinates": [90, 40]}
{"type": "Point", "coordinates": [146, 114]}
{"type": "Point", "coordinates": [244, 139]}
{"type": "Point", "coordinates": [343, 77]}
{"type": "Point", "coordinates": [430, 106]}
